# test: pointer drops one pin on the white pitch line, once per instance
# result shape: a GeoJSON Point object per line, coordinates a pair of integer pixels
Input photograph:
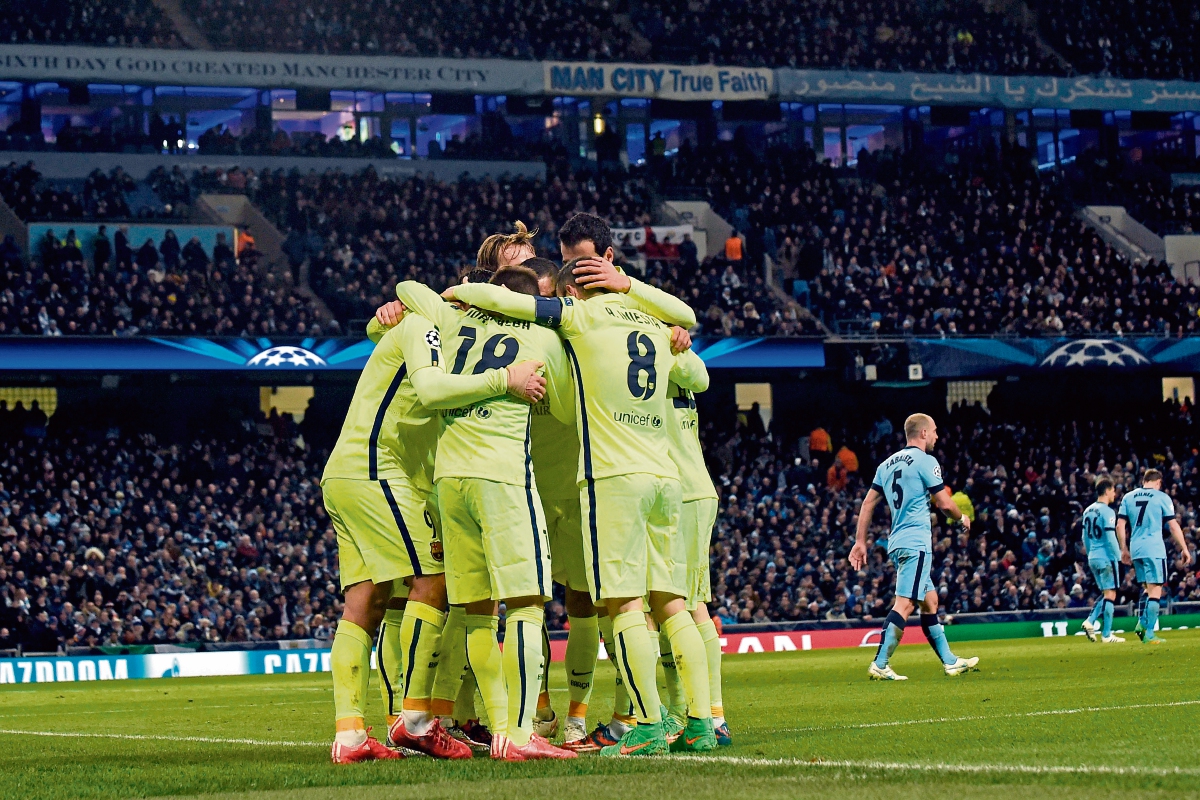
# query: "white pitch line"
{"type": "Point", "coordinates": [985, 717]}
{"type": "Point", "coordinates": [1022, 769]}
{"type": "Point", "coordinates": [889, 766]}
{"type": "Point", "coordinates": [145, 737]}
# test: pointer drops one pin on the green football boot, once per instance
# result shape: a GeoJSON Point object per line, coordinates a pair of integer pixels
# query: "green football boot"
{"type": "Point", "coordinates": [697, 737]}
{"type": "Point", "coordinates": [645, 739]}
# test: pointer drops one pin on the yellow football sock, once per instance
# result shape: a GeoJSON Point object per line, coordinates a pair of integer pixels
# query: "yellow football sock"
{"type": "Point", "coordinates": [622, 707]}
{"type": "Point", "coordinates": [483, 656]}
{"type": "Point", "coordinates": [691, 661]}
{"type": "Point", "coordinates": [452, 664]}
{"type": "Point", "coordinates": [522, 669]}
{"type": "Point", "coordinates": [350, 663]}
{"type": "Point", "coordinates": [635, 655]}
{"type": "Point", "coordinates": [712, 648]}
{"type": "Point", "coordinates": [421, 637]}
{"type": "Point", "coordinates": [676, 699]}
{"type": "Point", "coordinates": [544, 710]}
{"type": "Point", "coordinates": [389, 658]}
{"type": "Point", "coordinates": [583, 645]}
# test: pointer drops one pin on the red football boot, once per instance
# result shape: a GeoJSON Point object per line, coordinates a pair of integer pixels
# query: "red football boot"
{"type": "Point", "coordinates": [539, 748]}
{"type": "Point", "coordinates": [436, 742]}
{"type": "Point", "coordinates": [505, 750]}
{"type": "Point", "coordinates": [370, 750]}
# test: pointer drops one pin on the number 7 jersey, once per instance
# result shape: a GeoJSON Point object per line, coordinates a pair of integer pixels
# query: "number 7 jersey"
{"type": "Point", "coordinates": [906, 479]}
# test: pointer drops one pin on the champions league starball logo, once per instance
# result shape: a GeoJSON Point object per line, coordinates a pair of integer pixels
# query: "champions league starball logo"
{"type": "Point", "coordinates": [286, 356]}
{"type": "Point", "coordinates": [1094, 353]}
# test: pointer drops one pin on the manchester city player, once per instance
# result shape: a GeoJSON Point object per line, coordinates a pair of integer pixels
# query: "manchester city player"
{"type": "Point", "coordinates": [906, 480]}
{"type": "Point", "coordinates": [1145, 514]}
{"type": "Point", "coordinates": [1099, 539]}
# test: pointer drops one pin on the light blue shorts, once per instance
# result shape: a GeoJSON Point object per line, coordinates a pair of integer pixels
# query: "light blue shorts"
{"type": "Point", "coordinates": [1150, 570]}
{"type": "Point", "coordinates": [912, 573]}
{"type": "Point", "coordinates": [1104, 572]}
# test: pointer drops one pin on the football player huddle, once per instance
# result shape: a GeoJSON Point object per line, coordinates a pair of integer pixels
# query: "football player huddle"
{"type": "Point", "coordinates": [534, 424]}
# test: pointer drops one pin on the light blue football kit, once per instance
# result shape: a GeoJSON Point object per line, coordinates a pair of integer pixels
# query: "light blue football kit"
{"type": "Point", "coordinates": [1147, 512]}
{"type": "Point", "coordinates": [906, 479]}
{"type": "Point", "coordinates": [1099, 524]}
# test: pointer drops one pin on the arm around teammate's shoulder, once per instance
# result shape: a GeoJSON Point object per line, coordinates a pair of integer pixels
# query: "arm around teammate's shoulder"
{"type": "Point", "coordinates": [428, 303]}
{"type": "Point", "coordinates": [663, 305]}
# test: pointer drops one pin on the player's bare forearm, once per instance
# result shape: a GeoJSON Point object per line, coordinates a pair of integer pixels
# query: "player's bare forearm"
{"type": "Point", "coordinates": [1180, 541]}
{"type": "Point", "coordinates": [865, 513]}
{"type": "Point", "coordinates": [946, 505]}
{"type": "Point", "coordinates": [1121, 540]}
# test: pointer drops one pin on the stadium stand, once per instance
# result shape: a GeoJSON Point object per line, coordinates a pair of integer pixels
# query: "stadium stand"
{"type": "Point", "coordinates": [984, 245]}
{"type": "Point", "coordinates": [1124, 39]}
{"type": "Point", "coordinates": [127, 23]}
{"type": "Point", "coordinates": [861, 34]}
{"type": "Point", "coordinates": [784, 531]}
{"type": "Point", "coordinates": [108, 537]}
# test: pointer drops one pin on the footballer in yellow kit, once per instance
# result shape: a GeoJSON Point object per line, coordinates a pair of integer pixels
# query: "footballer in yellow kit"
{"type": "Point", "coordinates": [696, 522]}
{"type": "Point", "coordinates": [491, 512]}
{"type": "Point", "coordinates": [376, 485]}
{"type": "Point", "coordinates": [630, 491]}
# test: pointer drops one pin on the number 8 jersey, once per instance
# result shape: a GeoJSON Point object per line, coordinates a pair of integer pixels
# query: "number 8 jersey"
{"type": "Point", "coordinates": [906, 480]}
{"type": "Point", "coordinates": [620, 359]}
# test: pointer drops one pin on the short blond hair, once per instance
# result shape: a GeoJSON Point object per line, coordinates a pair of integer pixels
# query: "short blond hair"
{"type": "Point", "coordinates": [915, 424]}
{"type": "Point", "coordinates": [493, 247]}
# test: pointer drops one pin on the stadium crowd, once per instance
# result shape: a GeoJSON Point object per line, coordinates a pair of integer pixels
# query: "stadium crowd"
{"type": "Point", "coordinates": [787, 522]}
{"type": "Point", "coordinates": [851, 34]}
{"type": "Point", "coordinates": [1110, 38]}
{"type": "Point", "coordinates": [979, 244]}
{"type": "Point", "coordinates": [108, 538]}
{"type": "Point", "coordinates": [121, 289]}
{"type": "Point", "coordinates": [128, 23]}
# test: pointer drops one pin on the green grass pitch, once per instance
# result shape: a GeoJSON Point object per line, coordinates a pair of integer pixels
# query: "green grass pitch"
{"type": "Point", "coordinates": [1042, 715]}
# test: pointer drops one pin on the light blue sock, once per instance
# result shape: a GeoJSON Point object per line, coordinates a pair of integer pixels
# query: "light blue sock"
{"type": "Point", "coordinates": [1151, 617]}
{"type": "Point", "coordinates": [936, 635]}
{"type": "Point", "coordinates": [893, 632]}
{"type": "Point", "coordinates": [1096, 611]}
{"type": "Point", "coordinates": [1108, 615]}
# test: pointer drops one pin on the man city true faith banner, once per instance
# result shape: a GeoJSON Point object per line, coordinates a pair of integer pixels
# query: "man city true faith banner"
{"type": "Point", "coordinates": [663, 81]}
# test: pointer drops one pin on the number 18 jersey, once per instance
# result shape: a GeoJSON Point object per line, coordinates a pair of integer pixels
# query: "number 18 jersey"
{"type": "Point", "coordinates": [906, 479]}
{"type": "Point", "coordinates": [490, 439]}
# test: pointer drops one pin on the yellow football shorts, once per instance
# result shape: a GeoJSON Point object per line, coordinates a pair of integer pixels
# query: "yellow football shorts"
{"type": "Point", "coordinates": [630, 541]}
{"type": "Point", "coordinates": [563, 523]}
{"type": "Point", "coordinates": [696, 522]}
{"type": "Point", "coordinates": [496, 542]}
{"type": "Point", "coordinates": [384, 530]}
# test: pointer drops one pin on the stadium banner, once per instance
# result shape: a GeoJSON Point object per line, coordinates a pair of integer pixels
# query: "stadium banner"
{"type": "Point", "coordinates": [664, 234]}
{"type": "Point", "coordinates": [36, 62]}
{"type": "Point", "coordinates": [224, 354]}
{"type": "Point", "coordinates": [958, 358]}
{"type": "Point", "coordinates": [662, 81]}
{"type": "Point", "coordinates": [74, 669]}
{"type": "Point", "coordinates": [990, 91]}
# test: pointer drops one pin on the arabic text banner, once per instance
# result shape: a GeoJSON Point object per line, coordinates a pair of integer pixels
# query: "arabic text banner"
{"type": "Point", "coordinates": [987, 90]}
{"type": "Point", "coordinates": [380, 73]}
{"type": "Point", "coordinates": [668, 82]}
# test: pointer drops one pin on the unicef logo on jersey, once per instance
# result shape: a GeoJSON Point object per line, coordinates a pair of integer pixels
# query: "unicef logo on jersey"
{"type": "Point", "coordinates": [656, 422]}
{"type": "Point", "coordinates": [286, 355]}
{"type": "Point", "coordinates": [483, 412]}
{"type": "Point", "coordinates": [1094, 353]}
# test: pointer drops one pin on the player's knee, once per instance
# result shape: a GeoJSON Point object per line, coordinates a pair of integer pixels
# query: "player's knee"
{"type": "Point", "coordinates": [579, 604]}
{"type": "Point", "coordinates": [430, 590]}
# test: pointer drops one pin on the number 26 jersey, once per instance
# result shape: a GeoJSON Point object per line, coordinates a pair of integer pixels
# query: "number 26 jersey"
{"type": "Point", "coordinates": [906, 479]}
